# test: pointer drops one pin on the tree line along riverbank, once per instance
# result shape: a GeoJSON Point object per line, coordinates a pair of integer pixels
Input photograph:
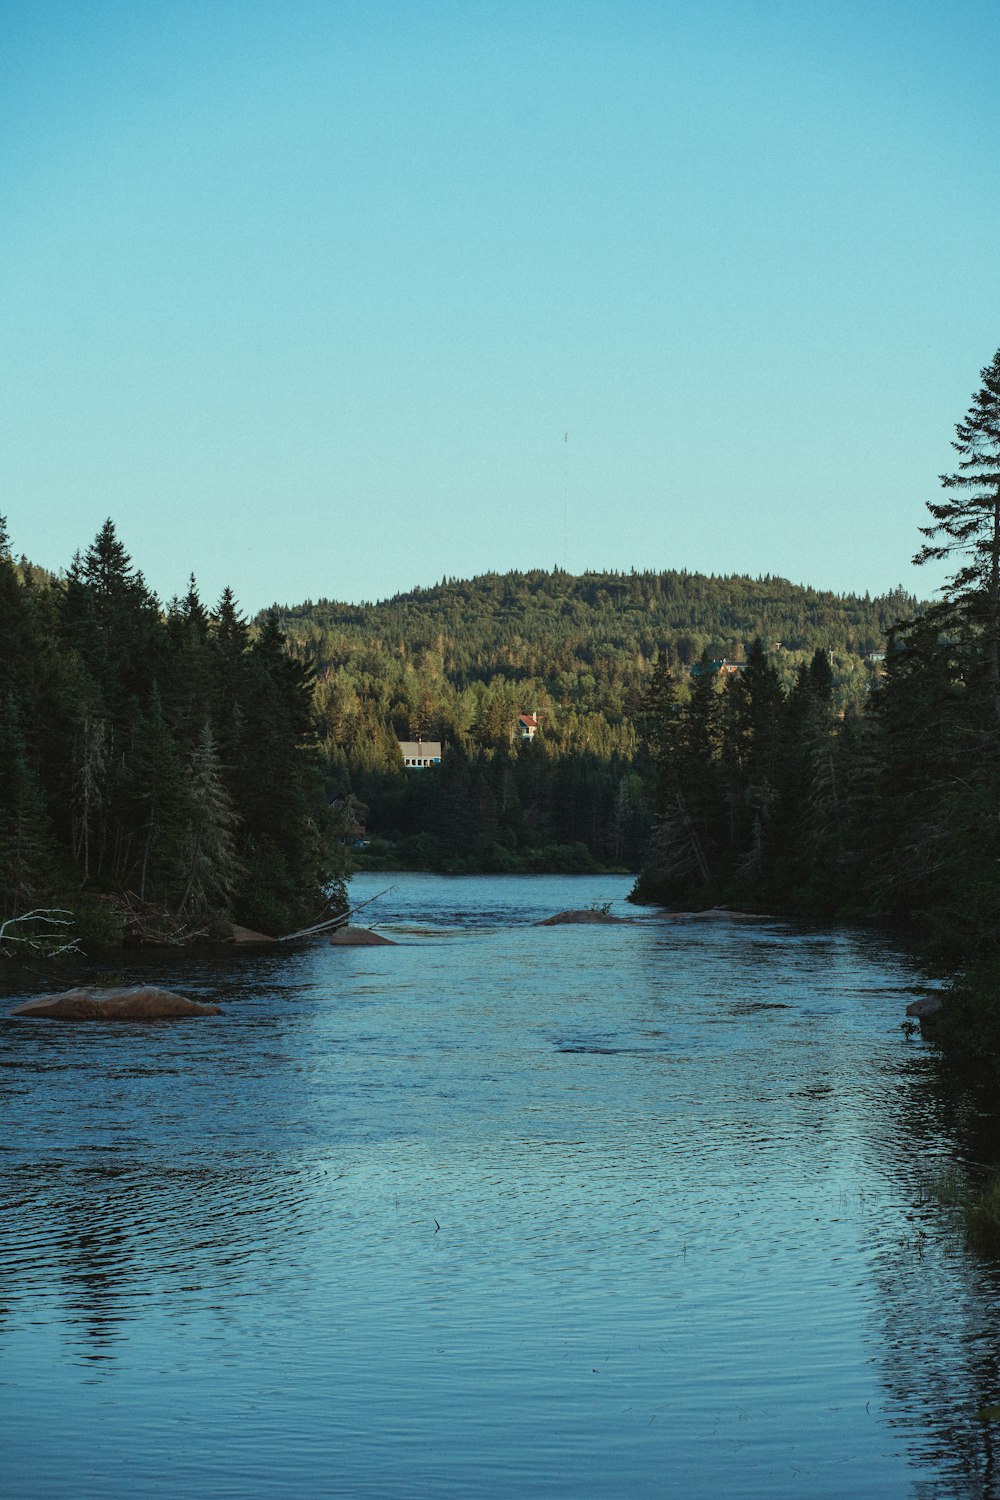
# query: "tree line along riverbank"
{"type": "Point", "coordinates": [458, 663]}
{"type": "Point", "coordinates": [159, 766]}
{"type": "Point", "coordinates": [769, 797]}
{"type": "Point", "coordinates": [165, 770]}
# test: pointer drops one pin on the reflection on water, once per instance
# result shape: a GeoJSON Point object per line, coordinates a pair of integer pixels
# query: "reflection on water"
{"type": "Point", "coordinates": [636, 1209]}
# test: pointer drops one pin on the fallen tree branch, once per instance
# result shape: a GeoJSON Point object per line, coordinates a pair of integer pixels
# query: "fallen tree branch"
{"type": "Point", "coordinates": [41, 943]}
{"type": "Point", "coordinates": [151, 924]}
{"type": "Point", "coordinates": [341, 920]}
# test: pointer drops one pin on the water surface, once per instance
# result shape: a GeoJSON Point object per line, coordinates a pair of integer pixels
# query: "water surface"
{"type": "Point", "coordinates": [615, 1210]}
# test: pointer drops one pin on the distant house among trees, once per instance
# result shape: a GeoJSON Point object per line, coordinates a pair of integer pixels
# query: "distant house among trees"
{"type": "Point", "coordinates": [725, 668]}
{"type": "Point", "coordinates": [527, 726]}
{"type": "Point", "coordinates": [420, 753]}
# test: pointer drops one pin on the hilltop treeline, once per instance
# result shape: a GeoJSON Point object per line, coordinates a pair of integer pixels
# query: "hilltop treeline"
{"type": "Point", "coordinates": [434, 659]}
{"type": "Point", "coordinates": [460, 661]}
{"type": "Point", "coordinates": [769, 798]}
{"type": "Point", "coordinates": [159, 771]}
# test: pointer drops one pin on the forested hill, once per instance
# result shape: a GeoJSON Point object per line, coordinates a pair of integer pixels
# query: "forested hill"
{"type": "Point", "coordinates": [459, 662]}
{"type": "Point", "coordinates": [585, 642]}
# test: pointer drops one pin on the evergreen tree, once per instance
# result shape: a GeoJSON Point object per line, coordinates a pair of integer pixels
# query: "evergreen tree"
{"type": "Point", "coordinates": [821, 676]}
{"type": "Point", "coordinates": [188, 673]}
{"type": "Point", "coordinates": [112, 619]}
{"type": "Point", "coordinates": [27, 855]}
{"type": "Point", "coordinates": [155, 798]}
{"type": "Point", "coordinates": [932, 836]}
{"type": "Point", "coordinates": [967, 523]}
{"type": "Point", "coordinates": [210, 863]}
{"type": "Point", "coordinates": [284, 843]}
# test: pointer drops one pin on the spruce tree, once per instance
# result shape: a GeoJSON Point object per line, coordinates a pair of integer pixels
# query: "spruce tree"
{"type": "Point", "coordinates": [285, 844]}
{"type": "Point", "coordinates": [967, 524]}
{"type": "Point", "coordinates": [155, 806]}
{"type": "Point", "coordinates": [27, 855]}
{"type": "Point", "coordinates": [211, 866]}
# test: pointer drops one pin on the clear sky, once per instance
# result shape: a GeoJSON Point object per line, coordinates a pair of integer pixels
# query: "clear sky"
{"type": "Point", "coordinates": [306, 295]}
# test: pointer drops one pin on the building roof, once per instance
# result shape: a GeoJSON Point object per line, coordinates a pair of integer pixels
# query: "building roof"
{"type": "Point", "coordinates": [725, 666]}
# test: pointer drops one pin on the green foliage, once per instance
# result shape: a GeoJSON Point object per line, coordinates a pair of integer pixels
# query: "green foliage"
{"type": "Point", "coordinates": [982, 1219]}
{"type": "Point", "coordinates": [966, 524]}
{"type": "Point", "coordinates": [462, 659]}
{"type": "Point", "coordinates": [98, 924]}
{"type": "Point", "coordinates": [460, 662]}
{"type": "Point", "coordinates": [159, 769]}
{"type": "Point", "coordinates": [772, 793]}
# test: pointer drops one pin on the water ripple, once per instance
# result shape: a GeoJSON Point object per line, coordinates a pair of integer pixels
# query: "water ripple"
{"type": "Point", "coordinates": [633, 1209]}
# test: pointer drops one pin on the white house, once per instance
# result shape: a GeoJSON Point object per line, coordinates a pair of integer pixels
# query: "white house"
{"type": "Point", "coordinates": [527, 726]}
{"type": "Point", "coordinates": [420, 753]}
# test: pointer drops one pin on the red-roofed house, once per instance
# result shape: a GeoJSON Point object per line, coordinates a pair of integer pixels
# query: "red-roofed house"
{"type": "Point", "coordinates": [527, 726]}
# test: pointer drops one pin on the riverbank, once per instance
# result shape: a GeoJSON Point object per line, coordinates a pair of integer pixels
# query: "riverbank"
{"type": "Point", "coordinates": [423, 855]}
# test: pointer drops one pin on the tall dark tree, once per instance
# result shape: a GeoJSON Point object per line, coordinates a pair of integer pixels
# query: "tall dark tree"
{"type": "Point", "coordinates": [967, 524]}
{"type": "Point", "coordinates": [155, 798]}
{"type": "Point", "coordinates": [113, 620]}
{"type": "Point", "coordinates": [211, 868]}
{"type": "Point", "coordinates": [284, 839]}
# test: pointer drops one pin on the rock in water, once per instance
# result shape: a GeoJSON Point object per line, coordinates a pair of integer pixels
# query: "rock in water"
{"type": "Point", "coordinates": [589, 915]}
{"type": "Point", "coordinates": [247, 935]}
{"type": "Point", "coordinates": [927, 1005]}
{"type": "Point", "coordinates": [359, 937]}
{"type": "Point", "coordinates": [144, 1002]}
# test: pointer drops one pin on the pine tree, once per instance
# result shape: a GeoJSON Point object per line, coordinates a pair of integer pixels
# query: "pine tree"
{"type": "Point", "coordinates": [229, 643]}
{"type": "Point", "coordinates": [967, 523]}
{"type": "Point", "coordinates": [155, 806]}
{"type": "Point", "coordinates": [112, 619]}
{"type": "Point", "coordinates": [188, 676]}
{"type": "Point", "coordinates": [27, 855]}
{"type": "Point", "coordinates": [210, 862]}
{"type": "Point", "coordinates": [285, 841]}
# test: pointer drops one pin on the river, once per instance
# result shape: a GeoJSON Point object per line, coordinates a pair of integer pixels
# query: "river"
{"type": "Point", "coordinates": [621, 1210]}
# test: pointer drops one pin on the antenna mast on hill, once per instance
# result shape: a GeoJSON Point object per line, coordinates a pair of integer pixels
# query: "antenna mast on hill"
{"type": "Point", "coordinates": [565, 502]}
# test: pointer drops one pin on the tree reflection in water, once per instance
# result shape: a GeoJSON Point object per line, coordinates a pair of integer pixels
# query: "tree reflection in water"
{"type": "Point", "coordinates": [939, 1302]}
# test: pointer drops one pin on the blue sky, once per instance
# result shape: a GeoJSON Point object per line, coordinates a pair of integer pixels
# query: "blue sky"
{"type": "Point", "coordinates": [305, 296]}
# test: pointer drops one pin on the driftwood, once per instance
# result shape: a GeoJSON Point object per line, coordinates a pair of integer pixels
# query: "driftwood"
{"type": "Point", "coordinates": [151, 924]}
{"type": "Point", "coordinates": [340, 920]}
{"type": "Point", "coordinates": [44, 942]}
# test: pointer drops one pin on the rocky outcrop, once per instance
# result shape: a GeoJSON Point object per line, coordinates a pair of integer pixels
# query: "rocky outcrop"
{"type": "Point", "coordinates": [589, 916]}
{"type": "Point", "coordinates": [714, 914]}
{"type": "Point", "coordinates": [926, 1006]}
{"type": "Point", "coordinates": [247, 935]}
{"type": "Point", "coordinates": [359, 937]}
{"type": "Point", "coordinates": [144, 1002]}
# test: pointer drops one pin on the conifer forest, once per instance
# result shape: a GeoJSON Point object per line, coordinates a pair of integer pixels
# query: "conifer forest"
{"type": "Point", "coordinates": [159, 769]}
{"type": "Point", "coordinates": [167, 770]}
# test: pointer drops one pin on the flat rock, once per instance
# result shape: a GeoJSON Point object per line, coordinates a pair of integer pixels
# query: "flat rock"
{"type": "Point", "coordinates": [589, 916]}
{"type": "Point", "coordinates": [144, 1002]}
{"type": "Point", "coordinates": [714, 914]}
{"type": "Point", "coordinates": [247, 935]}
{"type": "Point", "coordinates": [927, 1005]}
{"type": "Point", "coordinates": [359, 937]}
